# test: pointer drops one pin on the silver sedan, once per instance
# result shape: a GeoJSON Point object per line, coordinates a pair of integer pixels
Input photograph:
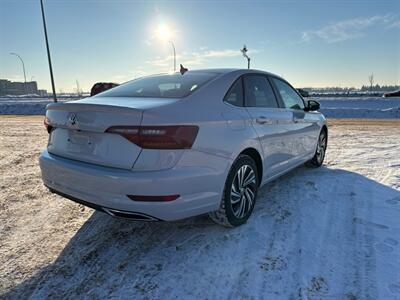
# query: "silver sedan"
{"type": "Point", "coordinates": [171, 146]}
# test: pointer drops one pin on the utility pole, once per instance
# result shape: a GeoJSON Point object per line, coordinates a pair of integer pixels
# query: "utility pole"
{"type": "Point", "coordinates": [48, 53]}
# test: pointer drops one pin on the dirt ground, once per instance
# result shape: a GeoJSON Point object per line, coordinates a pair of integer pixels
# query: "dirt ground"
{"type": "Point", "coordinates": [37, 227]}
{"type": "Point", "coordinates": [28, 238]}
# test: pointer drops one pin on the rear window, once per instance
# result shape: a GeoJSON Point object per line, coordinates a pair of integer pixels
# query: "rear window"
{"type": "Point", "coordinates": [161, 86]}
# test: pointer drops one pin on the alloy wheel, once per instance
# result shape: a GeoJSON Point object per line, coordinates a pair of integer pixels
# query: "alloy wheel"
{"type": "Point", "coordinates": [243, 191]}
{"type": "Point", "coordinates": [321, 147]}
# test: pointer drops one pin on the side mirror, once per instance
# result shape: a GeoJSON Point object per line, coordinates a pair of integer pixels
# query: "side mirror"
{"type": "Point", "coordinates": [312, 105]}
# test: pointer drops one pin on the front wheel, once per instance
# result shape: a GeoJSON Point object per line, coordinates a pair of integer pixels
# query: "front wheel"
{"type": "Point", "coordinates": [239, 194]}
{"type": "Point", "coordinates": [319, 155]}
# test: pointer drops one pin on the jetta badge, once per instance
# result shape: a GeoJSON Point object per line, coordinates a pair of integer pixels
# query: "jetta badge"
{"type": "Point", "coordinates": [72, 121]}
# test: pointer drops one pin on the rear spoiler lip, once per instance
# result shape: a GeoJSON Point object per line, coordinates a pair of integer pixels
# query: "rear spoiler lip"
{"type": "Point", "coordinates": [68, 109]}
{"type": "Point", "coordinates": [91, 107]}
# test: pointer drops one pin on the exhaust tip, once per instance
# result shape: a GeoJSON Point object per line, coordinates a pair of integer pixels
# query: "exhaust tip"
{"type": "Point", "coordinates": [129, 215]}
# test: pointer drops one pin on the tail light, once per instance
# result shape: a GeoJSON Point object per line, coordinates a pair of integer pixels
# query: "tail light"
{"type": "Point", "coordinates": [158, 137]}
{"type": "Point", "coordinates": [47, 125]}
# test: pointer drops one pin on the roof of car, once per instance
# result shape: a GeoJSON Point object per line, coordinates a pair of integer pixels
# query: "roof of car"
{"type": "Point", "coordinates": [220, 71]}
{"type": "Point", "coordinates": [230, 70]}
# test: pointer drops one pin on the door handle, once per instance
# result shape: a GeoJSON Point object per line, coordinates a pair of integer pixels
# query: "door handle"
{"type": "Point", "coordinates": [263, 120]}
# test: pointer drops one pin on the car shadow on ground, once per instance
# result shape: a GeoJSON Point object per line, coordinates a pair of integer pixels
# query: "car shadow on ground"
{"type": "Point", "coordinates": [110, 257]}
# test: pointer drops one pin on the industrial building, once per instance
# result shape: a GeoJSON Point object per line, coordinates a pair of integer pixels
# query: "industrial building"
{"type": "Point", "coordinates": [20, 88]}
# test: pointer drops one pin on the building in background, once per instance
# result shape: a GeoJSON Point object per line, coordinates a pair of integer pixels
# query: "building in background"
{"type": "Point", "coordinates": [19, 88]}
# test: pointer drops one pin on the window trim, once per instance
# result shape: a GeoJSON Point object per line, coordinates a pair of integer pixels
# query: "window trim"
{"type": "Point", "coordinates": [268, 81]}
{"type": "Point", "coordinates": [280, 97]}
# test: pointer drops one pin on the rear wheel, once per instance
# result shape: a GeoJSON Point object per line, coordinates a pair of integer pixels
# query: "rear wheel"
{"type": "Point", "coordinates": [239, 194]}
{"type": "Point", "coordinates": [319, 156]}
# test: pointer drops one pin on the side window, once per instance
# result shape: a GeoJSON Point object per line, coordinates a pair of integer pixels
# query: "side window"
{"type": "Point", "coordinates": [289, 97]}
{"type": "Point", "coordinates": [258, 92]}
{"type": "Point", "coordinates": [235, 94]}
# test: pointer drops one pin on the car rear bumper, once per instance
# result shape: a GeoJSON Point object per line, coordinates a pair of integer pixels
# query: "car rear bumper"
{"type": "Point", "coordinates": [103, 188]}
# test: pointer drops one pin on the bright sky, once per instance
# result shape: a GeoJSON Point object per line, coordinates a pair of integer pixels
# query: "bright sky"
{"type": "Point", "coordinates": [310, 43]}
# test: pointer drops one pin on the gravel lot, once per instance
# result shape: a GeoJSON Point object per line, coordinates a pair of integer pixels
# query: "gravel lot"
{"type": "Point", "coordinates": [338, 238]}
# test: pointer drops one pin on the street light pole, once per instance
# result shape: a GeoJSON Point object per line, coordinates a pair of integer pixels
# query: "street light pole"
{"type": "Point", "coordinates": [48, 53]}
{"type": "Point", "coordinates": [173, 48]}
{"type": "Point", "coordinates": [23, 65]}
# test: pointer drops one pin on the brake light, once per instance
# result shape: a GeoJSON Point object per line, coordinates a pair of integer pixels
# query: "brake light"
{"type": "Point", "coordinates": [158, 137]}
{"type": "Point", "coordinates": [47, 125]}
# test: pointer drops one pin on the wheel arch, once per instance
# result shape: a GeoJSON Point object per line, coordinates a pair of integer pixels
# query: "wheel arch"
{"type": "Point", "coordinates": [255, 155]}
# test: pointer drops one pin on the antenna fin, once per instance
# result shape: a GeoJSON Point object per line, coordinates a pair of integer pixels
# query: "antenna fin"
{"type": "Point", "coordinates": [183, 70]}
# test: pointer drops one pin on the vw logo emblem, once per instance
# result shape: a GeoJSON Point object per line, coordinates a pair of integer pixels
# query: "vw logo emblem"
{"type": "Point", "coordinates": [72, 121]}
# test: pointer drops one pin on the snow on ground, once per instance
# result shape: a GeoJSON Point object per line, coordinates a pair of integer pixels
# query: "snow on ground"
{"type": "Point", "coordinates": [24, 106]}
{"type": "Point", "coordinates": [332, 107]}
{"type": "Point", "coordinates": [327, 233]}
{"type": "Point", "coordinates": [360, 107]}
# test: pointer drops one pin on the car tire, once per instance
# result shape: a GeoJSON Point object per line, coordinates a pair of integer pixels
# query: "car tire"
{"type": "Point", "coordinates": [240, 193]}
{"type": "Point", "coordinates": [320, 151]}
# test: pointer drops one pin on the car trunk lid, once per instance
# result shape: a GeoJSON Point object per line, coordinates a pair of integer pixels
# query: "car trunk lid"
{"type": "Point", "coordinates": [79, 129]}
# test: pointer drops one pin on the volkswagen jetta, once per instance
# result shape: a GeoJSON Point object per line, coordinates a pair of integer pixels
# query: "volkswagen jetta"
{"type": "Point", "coordinates": [171, 146]}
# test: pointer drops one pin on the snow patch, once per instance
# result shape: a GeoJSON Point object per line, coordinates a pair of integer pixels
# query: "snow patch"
{"type": "Point", "coordinates": [331, 107]}
{"type": "Point", "coordinates": [326, 233]}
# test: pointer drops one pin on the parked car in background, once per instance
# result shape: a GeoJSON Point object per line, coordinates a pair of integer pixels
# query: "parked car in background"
{"type": "Point", "coordinates": [303, 93]}
{"type": "Point", "coordinates": [167, 147]}
{"type": "Point", "coordinates": [100, 87]}
{"type": "Point", "coordinates": [392, 94]}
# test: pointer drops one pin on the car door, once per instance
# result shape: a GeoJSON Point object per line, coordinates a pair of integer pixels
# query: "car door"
{"type": "Point", "coordinates": [304, 127]}
{"type": "Point", "coordinates": [271, 122]}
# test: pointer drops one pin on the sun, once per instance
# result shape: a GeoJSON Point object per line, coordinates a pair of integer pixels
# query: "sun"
{"type": "Point", "coordinates": [164, 32]}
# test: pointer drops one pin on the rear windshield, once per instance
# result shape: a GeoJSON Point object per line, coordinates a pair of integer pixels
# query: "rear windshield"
{"type": "Point", "coordinates": [161, 86]}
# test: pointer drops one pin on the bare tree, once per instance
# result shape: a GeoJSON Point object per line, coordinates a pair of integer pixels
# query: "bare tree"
{"type": "Point", "coordinates": [371, 81]}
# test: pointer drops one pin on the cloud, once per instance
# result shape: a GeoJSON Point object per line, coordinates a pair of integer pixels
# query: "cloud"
{"type": "Point", "coordinates": [395, 24]}
{"type": "Point", "coordinates": [349, 29]}
{"type": "Point", "coordinates": [162, 62]}
{"type": "Point", "coordinates": [220, 53]}
{"type": "Point", "coordinates": [199, 57]}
